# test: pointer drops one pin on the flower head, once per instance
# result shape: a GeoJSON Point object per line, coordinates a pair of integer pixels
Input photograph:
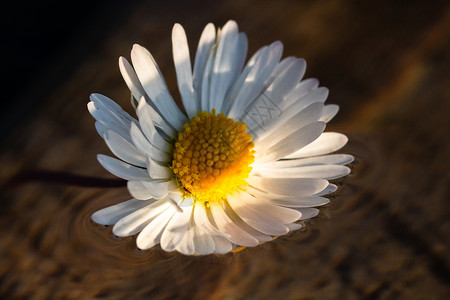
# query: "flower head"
{"type": "Point", "coordinates": [246, 160]}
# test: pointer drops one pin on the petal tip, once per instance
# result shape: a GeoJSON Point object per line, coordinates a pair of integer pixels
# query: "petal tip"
{"type": "Point", "coordinates": [177, 26]}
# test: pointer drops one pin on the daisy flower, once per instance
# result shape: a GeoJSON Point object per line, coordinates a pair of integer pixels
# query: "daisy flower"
{"type": "Point", "coordinates": [242, 163]}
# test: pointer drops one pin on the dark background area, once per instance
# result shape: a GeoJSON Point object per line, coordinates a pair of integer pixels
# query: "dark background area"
{"type": "Point", "coordinates": [386, 232]}
{"type": "Point", "coordinates": [42, 43]}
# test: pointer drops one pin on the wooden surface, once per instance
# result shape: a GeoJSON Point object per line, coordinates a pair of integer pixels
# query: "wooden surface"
{"type": "Point", "coordinates": [386, 233]}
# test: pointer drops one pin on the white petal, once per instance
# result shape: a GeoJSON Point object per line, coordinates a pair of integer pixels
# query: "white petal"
{"type": "Point", "coordinates": [153, 136]}
{"type": "Point", "coordinates": [144, 146]}
{"type": "Point", "coordinates": [301, 89]}
{"type": "Point", "coordinates": [249, 84]}
{"type": "Point", "coordinates": [331, 188]}
{"type": "Point", "coordinates": [183, 68]}
{"type": "Point", "coordinates": [265, 207]}
{"type": "Point", "coordinates": [110, 215]}
{"type": "Point", "coordinates": [331, 159]}
{"type": "Point", "coordinates": [203, 242]}
{"type": "Point", "coordinates": [294, 226]}
{"type": "Point", "coordinates": [136, 221]}
{"type": "Point", "coordinates": [158, 171]}
{"type": "Point", "coordinates": [283, 128]}
{"type": "Point", "coordinates": [307, 201]}
{"type": "Point", "coordinates": [265, 114]}
{"type": "Point", "coordinates": [329, 111]}
{"type": "Point", "coordinates": [151, 234]}
{"type": "Point", "coordinates": [221, 245]}
{"type": "Point", "coordinates": [292, 143]}
{"type": "Point", "coordinates": [326, 143]}
{"type": "Point", "coordinates": [261, 237]}
{"type": "Point", "coordinates": [121, 169]}
{"type": "Point", "coordinates": [254, 218]}
{"type": "Point", "coordinates": [186, 233]}
{"type": "Point", "coordinates": [155, 87]}
{"type": "Point", "coordinates": [110, 115]}
{"type": "Point", "coordinates": [286, 80]}
{"type": "Point", "coordinates": [308, 213]}
{"type": "Point", "coordinates": [186, 246]}
{"type": "Point", "coordinates": [206, 80]}
{"type": "Point", "coordinates": [224, 69]}
{"type": "Point", "coordinates": [239, 60]}
{"type": "Point", "coordinates": [252, 79]}
{"type": "Point", "coordinates": [110, 105]}
{"type": "Point", "coordinates": [176, 228]}
{"type": "Point", "coordinates": [288, 186]}
{"type": "Point", "coordinates": [294, 105]}
{"type": "Point", "coordinates": [241, 55]}
{"type": "Point", "coordinates": [201, 219]}
{"type": "Point", "coordinates": [280, 68]}
{"type": "Point", "coordinates": [101, 128]}
{"type": "Point", "coordinates": [236, 234]}
{"type": "Point", "coordinates": [319, 171]}
{"type": "Point", "coordinates": [175, 198]}
{"type": "Point", "coordinates": [207, 40]}
{"type": "Point", "coordinates": [131, 78]}
{"type": "Point", "coordinates": [144, 190]}
{"type": "Point", "coordinates": [148, 118]}
{"type": "Point", "coordinates": [123, 149]}
{"type": "Point", "coordinates": [112, 108]}
{"type": "Point", "coordinates": [269, 106]}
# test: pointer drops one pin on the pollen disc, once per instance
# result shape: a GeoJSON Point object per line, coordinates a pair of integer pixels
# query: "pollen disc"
{"type": "Point", "coordinates": [212, 157]}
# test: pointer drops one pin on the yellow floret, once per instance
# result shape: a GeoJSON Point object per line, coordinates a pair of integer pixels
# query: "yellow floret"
{"type": "Point", "coordinates": [212, 157]}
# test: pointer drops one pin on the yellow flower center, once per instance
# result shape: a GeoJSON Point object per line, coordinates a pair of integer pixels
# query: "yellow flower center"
{"type": "Point", "coordinates": [212, 157]}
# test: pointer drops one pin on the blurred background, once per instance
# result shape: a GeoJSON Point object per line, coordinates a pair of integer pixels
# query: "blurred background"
{"type": "Point", "coordinates": [386, 232]}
